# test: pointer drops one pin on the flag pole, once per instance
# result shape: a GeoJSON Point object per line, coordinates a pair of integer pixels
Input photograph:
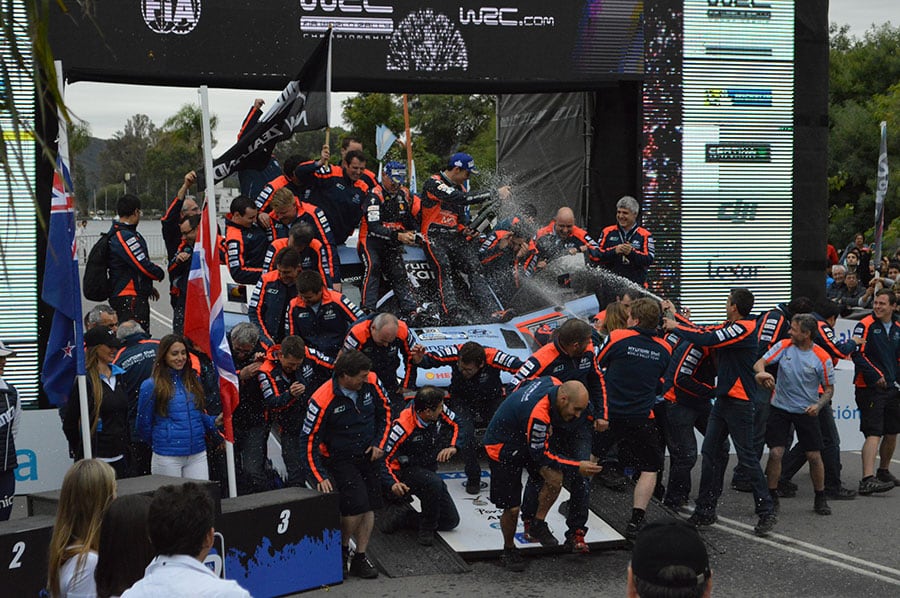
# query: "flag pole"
{"type": "Point", "coordinates": [409, 155]}
{"type": "Point", "coordinates": [62, 148]}
{"type": "Point", "coordinates": [328, 90]}
{"type": "Point", "coordinates": [880, 193]}
{"type": "Point", "coordinates": [212, 232]}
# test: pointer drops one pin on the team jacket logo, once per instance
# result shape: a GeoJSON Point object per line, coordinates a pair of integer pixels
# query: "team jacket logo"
{"type": "Point", "coordinates": [171, 16]}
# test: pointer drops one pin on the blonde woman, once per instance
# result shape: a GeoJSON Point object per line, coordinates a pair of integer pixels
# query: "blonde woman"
{"type": "Point", "coordinates": [88, 488]}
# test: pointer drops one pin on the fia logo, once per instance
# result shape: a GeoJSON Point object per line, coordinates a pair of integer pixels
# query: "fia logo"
{"type": "Point", "coordinates": [737, 211]}
{"type": "Point", "coordinates": [171, 16]}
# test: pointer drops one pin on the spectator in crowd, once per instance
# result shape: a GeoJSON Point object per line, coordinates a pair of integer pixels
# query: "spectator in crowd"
{"type": "Point", "coordinates": [182, 205]}
{"type": "Point", "coordinates": [87, 489]}
{"type": "Point", "coordinates": [291, 373]}
{"type": "Point", "coordinates": [625, 248]}
{"type": "Point", "coordinates": [475, 393]}
{"type": "Point", "coordinates": [314, 255]}
{"type": "Point", "coordinates": [634, 360]}
{"type": "Point", "coordinates": [450, 243]}
{"type": "Point", "coordinates": [124, 549]}
{"type": "Point", "coordinates": [391, 222]}
{"type": "Point", "coordinates": [10, 415]}
{"type": "Point", "coordinates": [858, 245]}
{"type": "Point", "coordinates": [384, 339]}
{"type": "Point", "coordinates": [274, 291]}
{"type": "Point", "coordinates": [416, 444]}
{"type": "Point", "coordinates": [131, 273]}
{"type": "Point", "coordinates": [877, 376]}
{"type": "Point", "coordinates": [136, 358]}
{"type": "Point", "coordinates": [858, 262]}
{"type": "Point", "coordinates": [803, 368]}
{"type": "Point", "coordinates": [180, 269]}
{"type": "Point", "coordinates": [245, 241]}
{"type": "Point", "coordinates": [732, 414]}
{"type": "Point", "coordinates": [831, 255]}
{"type": "Point", "coordinates": [853, 291]}
{"type": "Point", "coordinates": [562, 237]}
{"type": "Point", "coordinates": [340, 191]}
{"type": "Point", "coordinates": [320, 316]}
{"type": "Point", "coordinates": [251, 428]}
{"type": "Point", "coordinates": [107, 402]}
{"type": "Point", "coordinates": [181, 530]}
{"type": "Point", "coordinates": [80, 241]}
{"type": "Point", "coordinates": [517, 439]}
{"type": "Point", "coordinates": [101, 315]}
{"type": "Point", "coordinates": [836, 288]}
{"type": "Point", "coordinates": [343, 438]}
{"type": "Point", "coordinates": [669, 560]}
{"type": "Point", "coordinates": [171, 414]}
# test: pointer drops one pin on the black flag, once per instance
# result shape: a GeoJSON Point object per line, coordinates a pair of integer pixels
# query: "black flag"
{"type": "Point", "coordinates": [302, 106]}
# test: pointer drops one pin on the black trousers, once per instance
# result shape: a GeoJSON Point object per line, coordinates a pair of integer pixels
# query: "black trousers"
{"type": "Point", "coordinates": [451, 251]}
{"type": "Point", "coordinates": [438, 509]}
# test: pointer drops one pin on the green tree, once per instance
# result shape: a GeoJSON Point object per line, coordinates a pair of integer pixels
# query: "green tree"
{"type": "Point", "coordinates": [126, 153]}
{"type": "Point", "coordinates": [308, 144]}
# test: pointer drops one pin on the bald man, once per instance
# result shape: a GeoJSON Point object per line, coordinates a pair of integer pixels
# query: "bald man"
{"type": "Point", "coordinates": [561, 237]}
{"type": "Point", "coordinates": [516, 439]}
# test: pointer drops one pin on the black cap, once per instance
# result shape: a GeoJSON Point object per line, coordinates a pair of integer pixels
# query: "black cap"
{"type": "Point", "coordinates": [101, 335]}
{"type": "Point", "coordinates": [665, 544]}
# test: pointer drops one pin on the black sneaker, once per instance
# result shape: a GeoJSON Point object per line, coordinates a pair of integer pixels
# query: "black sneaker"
{"type": "Point", "coordinates": [698, 520]}
{"type": "Point", "coordinates": [820, 506]}
{"type": "Point", "coordinates": [563, 508]}
{"type": "Point", "coordinates": [872, 484]}
{"type": "Point", "coordinates": [886, 476]}
{"type": "Point", "coordinates": [512, 559]}
{"type": "Point", "coordinates": [787, 489]}
{"type": "Point", "coordinates": [776, 504]}
{"type": "Point", "coordinates": [539, 531]}
{"type": "Point", "coordinates": [612, 479]}
{"type": "Point", "coordinates": [425, 537]}
{"type": "Point", "coordinates": [840, 493]}
{"type": "Point", "coordinates": [475, 486]}
{"type": "Point", "coordinates": [765, 524]}
{"type": "Point", "coordinates": [576, 544]}
{"type": "Point", "coordinates": [362, 567]}
{"type": "Point", "coordinates": [632, 530]}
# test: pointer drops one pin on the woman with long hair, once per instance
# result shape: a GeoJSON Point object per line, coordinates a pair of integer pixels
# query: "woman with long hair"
{"type": "Point", "coordinates": [88, 488]}
{"type": "Point", "coordinates": [171, 414]}
{"type": "Point", "coordinates": [125, 549]}
{"type": "Point", "coordinates": [616, 318]}
{"type": "Point", "coordinates": [107, 401]}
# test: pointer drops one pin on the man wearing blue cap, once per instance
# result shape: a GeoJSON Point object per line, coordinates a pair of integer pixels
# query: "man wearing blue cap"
{"type": "Point", "coordinates": [390, 222]}
{"type": "Point", "coordinates": [449, 242]}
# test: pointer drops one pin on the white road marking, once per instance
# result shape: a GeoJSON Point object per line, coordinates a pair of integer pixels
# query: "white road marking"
{"type": "Point", "coordinates": [798, 547]}
{"type": "Point", "coordinates": [879, 458]}
{"type": "Point", "coordinates": [161, 318]}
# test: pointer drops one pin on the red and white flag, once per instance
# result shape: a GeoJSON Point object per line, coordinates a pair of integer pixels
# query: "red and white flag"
{"type": "Point", "coordinates": [204, 323]}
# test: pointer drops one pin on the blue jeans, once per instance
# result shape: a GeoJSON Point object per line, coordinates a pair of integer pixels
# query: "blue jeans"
{"type": "Point", "coordinates": [730, 417]}
{"type": "Point", "coordinates": [760, 416]}
{"type": "Point", "coordinates": [681, 422]}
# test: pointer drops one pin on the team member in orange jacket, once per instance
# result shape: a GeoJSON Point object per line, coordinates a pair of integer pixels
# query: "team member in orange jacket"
{"type": "Point", "coordinates": [291, 373]}
{"type": "Point", "coordinates": [448, 247]}
{"type": "Point", "coordinates": [131, 273]}
{"type": "Point", "coordinates": [732, 414]}
{"type": "Point", "coordinates": [425, 433]}
{"type": "Point", "coordinates": [518, 438]}
{"type": "Point", "coordinates": [626, 249]}
{"type": "Point", "coordinates": [245, 241]}
{"type": "Point", "coordinates": [561, 237]}
{"type": "Point", "coordinates": [383, 339]}
{"type": "Point", "coordinates": [268, 304]}
{"type": "Point", "coordinates": [343, 438]}
{"type": "Point", "coordinates": [320, 316]}
{"type": "Point", "coordinates": [314, 255]}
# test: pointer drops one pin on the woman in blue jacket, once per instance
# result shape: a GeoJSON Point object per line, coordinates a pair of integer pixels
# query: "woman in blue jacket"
{"type": "Point", "coordinates": [171, 414]}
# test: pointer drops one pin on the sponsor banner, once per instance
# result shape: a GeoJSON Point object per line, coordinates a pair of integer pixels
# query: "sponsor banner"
{"type": "Point", "coordinates": [42, 451]}
{"type": "Point", "coordinates": [379, 44]}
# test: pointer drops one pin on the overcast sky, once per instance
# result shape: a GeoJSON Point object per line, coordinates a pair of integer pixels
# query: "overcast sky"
{"type": "Point", "coordinates": [106, 107]}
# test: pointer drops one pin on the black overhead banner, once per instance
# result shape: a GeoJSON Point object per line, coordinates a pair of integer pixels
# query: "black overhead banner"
{"type": "Point", "coordinates": [379, 45]}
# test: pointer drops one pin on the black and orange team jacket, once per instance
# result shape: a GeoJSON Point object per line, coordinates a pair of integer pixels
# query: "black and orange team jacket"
{"type": "Point", "coordinates": [690, 379]}
{"type": "Point", "coordinates": [336, 427]}
{"type": "Point", "coordinates": [878, 357]}
{"type": "Point", "coordinates": [131, 273]}
{"type": "Point", "coordinates": [634, 361]}
{"type": "Point", "coordinates": [385, 360]}
{"type": "Point", "coordinates": [314, 257]}
{"type": "Point", "coordinates": [268, 307]}
{"type": "Point", "coordinates": [275, 385]}
{"type": "Point", "coordinates": [246, 248]}
{"type": "Point", "coordinates": [485, 386]}
{"type": "Point", "coordinates": [736, 346]}
{"type": "Point", "coordinates": [520, 430]}
{"type": "Point", "coordinates": [413, 442]}
{"type": "Point", "coordinates": [549, 360]}
{"type": "Point", "coordinates": [323, 326]}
